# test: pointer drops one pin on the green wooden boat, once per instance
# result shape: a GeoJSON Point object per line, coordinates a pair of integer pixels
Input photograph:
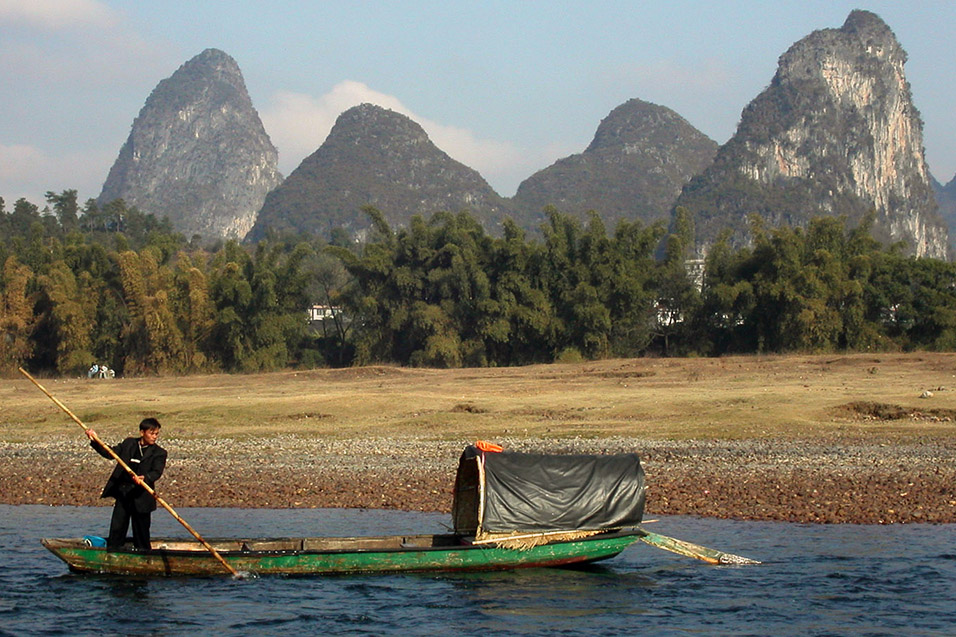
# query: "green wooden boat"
{"type": "Point", "coordinates": [511, 510]}
{"type": "Point", "coordinates": [343, 555]}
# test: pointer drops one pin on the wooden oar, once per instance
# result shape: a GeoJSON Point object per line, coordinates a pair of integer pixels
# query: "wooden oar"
{"type": "Point", "coordinates": [711, 556]}
{"type": "Point", "coordinates": [132, 473]}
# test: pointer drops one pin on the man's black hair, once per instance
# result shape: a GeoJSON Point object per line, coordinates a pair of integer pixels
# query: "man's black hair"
{"type": "Point", "coordinates": [149, 423]}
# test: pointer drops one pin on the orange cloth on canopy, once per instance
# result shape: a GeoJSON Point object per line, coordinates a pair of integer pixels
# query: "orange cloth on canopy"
{"type": "Point", "coordinates": [488, 446]}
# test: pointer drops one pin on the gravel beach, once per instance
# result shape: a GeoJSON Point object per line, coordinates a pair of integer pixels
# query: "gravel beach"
{"type": "Point", "coordinates": [847, 480]}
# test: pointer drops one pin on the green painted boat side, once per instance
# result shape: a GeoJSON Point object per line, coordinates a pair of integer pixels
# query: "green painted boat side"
{"type": "Point", "coordinates": [327, 556]}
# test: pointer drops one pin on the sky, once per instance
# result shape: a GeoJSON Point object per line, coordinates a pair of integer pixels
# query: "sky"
{"type": "Point", "coordinates": [505, 87]}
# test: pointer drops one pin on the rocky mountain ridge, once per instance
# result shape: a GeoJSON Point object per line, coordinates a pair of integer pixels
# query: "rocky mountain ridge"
{"type": "Point", "coordinates": [376, 157]}
{"type": "Point", "coordinates": [197, 152]}
{"type": "Point", "coordinates": [835, 133]}
{"type": "Point", "coordinates": [641, 156]}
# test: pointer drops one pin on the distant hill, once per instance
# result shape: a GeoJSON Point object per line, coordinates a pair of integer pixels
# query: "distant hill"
{"type": "Point", "coordinates": [197, 152]}
{"type": "Point", "coordinates": [946, 198]}
{"type": "Point", "coordinates": [634, 168]}
{"type": "Point", "coordinates": [836, 132]}
{"type": "Point", "coordinates": [375, 157]}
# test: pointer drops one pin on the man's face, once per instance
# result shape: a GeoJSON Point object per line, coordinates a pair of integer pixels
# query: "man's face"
{"type": "Point", "coordinates": [150, 436]}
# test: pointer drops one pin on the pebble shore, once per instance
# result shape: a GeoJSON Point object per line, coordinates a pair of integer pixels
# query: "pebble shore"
{"type": "Point", "coordinates": [809, 481]}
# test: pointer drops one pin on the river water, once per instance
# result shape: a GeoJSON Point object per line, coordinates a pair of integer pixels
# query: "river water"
{"type": "Point", "coordinates": [815, 580]}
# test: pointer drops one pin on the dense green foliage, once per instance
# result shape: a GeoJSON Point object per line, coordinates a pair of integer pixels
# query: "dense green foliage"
{"type": "Point", "coordinates": [114, 286]}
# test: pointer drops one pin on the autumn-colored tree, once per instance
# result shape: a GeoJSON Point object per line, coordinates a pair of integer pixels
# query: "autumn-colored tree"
{"type": "Point", "coordinates": [195, 312]}
{"type": "Point", "coordinates": [154, 341]}
{"type": "Point", "coordinates": [72, 303]}
{"type": "Point", "coordinates": [16, 315]}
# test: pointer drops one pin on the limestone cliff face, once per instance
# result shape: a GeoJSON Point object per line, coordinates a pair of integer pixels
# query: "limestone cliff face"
{"type": "Point", "coordinates": [836, 132]}
{"type": "Point", "coordinates": [197, 152]}
{"type": "Point", "coordinates": [375, 157]}
{"type": "Point", "coordinates": [640, 157]}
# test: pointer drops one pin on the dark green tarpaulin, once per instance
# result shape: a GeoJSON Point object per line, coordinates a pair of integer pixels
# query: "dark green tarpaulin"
{"type": "Point", "coordinates": [529, 492]}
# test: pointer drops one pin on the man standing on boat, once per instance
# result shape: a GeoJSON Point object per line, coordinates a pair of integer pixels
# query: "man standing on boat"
{"type": "Point", "coordinates": [133, 502]}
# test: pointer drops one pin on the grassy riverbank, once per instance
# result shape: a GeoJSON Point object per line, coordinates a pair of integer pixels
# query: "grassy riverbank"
{"type": "Point", "coordinates": [811, 438]}
{"type": "Point", "coordinates": [727, 398]}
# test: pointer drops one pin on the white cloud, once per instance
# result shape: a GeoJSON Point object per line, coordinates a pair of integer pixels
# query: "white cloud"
{"type": "Point", "coordinates": [29, 172]}
{"type": "Point", "coordinates": [84, 44]}
{"type": "Point", "coordinates": [19, 161]}
{"type": "Point", "coordinates": [55, 15]}
{"type": "Point", "coordinates": [79, 71]}
{"type": "Point", "coordinates": [298, 124]}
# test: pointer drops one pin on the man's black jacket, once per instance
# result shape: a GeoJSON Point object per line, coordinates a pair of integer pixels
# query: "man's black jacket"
{"type": "Point", "coordinates": [149, 463]}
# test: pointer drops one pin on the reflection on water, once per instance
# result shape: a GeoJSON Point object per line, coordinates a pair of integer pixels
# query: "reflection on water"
{"type": "Point", "coordinates": [815, 580]}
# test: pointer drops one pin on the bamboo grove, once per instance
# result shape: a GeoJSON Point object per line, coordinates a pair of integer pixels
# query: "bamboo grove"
{"type": "Point", "coordinates": [117, 287]}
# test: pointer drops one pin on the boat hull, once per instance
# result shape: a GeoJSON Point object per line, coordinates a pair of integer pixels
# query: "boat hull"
{"type": "Point", "coordinates": [329, 556]}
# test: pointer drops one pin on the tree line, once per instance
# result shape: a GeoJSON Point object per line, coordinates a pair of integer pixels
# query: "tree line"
{"type": "Point", "coordinates": [111, 285]}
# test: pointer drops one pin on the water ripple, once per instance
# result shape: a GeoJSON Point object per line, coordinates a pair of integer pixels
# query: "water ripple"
{"type": "Point", "coordinates": [815, 580]}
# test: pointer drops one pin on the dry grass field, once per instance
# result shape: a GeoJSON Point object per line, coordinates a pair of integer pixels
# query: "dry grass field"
{"type": "Point", "coordinates": [723, 398]}
{"type": "Point", "coordinates": [840, 438]}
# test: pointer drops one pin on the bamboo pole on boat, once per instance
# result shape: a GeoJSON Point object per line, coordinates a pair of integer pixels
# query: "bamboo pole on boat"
{"type": "Point", "coordinates": [688, 549]}
{"type": "Point", "coordinates": [672, 544]}
{"type": "Point", "coordinates": [545, 535]}
{"type": "Point", "coordinates": [132, 473]}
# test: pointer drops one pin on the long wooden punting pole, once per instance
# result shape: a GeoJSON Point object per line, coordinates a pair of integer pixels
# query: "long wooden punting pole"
{"type": "Point", "coordinates": [132, 473]}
